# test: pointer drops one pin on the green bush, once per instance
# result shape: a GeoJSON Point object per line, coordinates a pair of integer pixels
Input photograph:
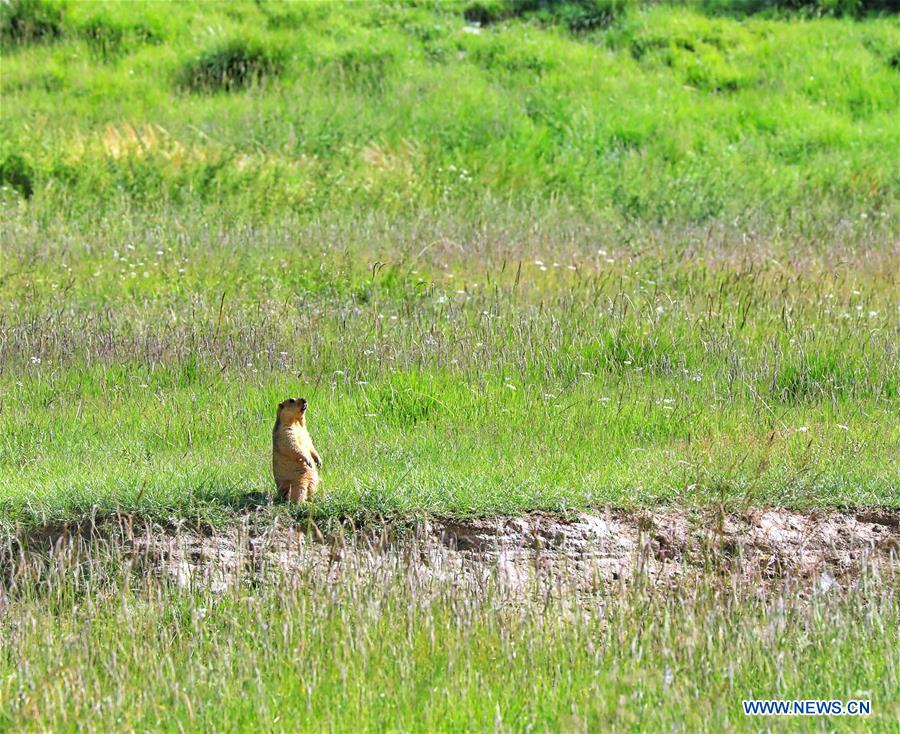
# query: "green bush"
{"type": "Point", "coordinates": [232, 65]}
{"type": "Point", "coordinates": [30, 21]}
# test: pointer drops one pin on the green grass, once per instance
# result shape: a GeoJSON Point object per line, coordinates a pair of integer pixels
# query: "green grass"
{"type": "Point", "coordinates": [381, 649]}
{"type": "Point", "coordinates": [434, 443]}
{"type": "Point", "coordinates": [654, 113]}
{"type": "Point", "coordinates": [143, 371]}
{"type": "Point", "coordinates": [595, 252]}
{"type": "Point", "coordinates": [130, 453]}
{"type": "Point", "coordinates": [557, 260]}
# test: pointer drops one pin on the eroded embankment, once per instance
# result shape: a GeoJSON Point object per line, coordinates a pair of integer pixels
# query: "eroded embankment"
{"type": "Point", "coordinates": [578, 553]}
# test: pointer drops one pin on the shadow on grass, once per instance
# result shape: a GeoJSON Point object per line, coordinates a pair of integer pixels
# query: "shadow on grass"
{"type": "Point", "coordinates": [244, 500]}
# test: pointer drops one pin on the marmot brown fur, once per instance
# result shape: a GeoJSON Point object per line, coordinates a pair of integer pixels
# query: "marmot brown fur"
{"type": "Point", "coordinates": [294, 458]}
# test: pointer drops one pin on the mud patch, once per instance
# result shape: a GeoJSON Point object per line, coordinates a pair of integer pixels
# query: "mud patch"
{"type": "Point", "coordinates": [578, 554]}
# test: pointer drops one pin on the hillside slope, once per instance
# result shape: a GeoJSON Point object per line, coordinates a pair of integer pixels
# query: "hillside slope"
{"type": "Point", "coordinates": [644, 113]}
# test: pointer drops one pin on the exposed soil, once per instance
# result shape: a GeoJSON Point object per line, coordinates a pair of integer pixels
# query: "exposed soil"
{"type": "Point", "coordinates": [826, 549]}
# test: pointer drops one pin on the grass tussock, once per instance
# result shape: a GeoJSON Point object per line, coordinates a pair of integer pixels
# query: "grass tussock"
{"type": "Point", "coordinates": [25, 22]}
{"type": "Point", "coordinates": [110, 36]}
{"type": "Point", "coordinates": [231, 65]}
{"type": "Point", "coordinates": [16, 174]}
{"type": "Point", "coordinates": [578, 16]}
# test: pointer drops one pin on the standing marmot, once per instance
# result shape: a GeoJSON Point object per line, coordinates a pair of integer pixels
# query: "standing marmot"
{"type": "Point", "coordinates": [294, 458]}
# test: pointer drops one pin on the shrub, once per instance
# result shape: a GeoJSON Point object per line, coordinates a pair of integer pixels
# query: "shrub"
{"type": "Point", "coordinates": [30, 21]}
{"type": "Point", "coordinates": [232, 65]}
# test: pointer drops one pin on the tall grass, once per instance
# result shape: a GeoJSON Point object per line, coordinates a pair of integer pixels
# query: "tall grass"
{"type": "Point", "coordinates": [88, 645]}
{"type": "Point", "coordinates": [140, 368]}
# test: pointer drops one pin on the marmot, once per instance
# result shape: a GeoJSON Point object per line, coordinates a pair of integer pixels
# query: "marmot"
{"type": "Point", "coordinates": [294, 458]}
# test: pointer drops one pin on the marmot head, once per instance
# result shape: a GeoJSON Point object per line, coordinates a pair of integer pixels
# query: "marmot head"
{"type": "Point", "coordinates": [292, 410]}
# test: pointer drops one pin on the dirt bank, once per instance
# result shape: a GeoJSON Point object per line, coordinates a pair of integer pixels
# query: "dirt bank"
{"type": "Point", "coordinates": [583, 552]}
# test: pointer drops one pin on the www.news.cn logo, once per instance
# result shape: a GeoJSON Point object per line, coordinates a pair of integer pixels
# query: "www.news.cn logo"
{"type": "Point", "coordinates": [812, 707]}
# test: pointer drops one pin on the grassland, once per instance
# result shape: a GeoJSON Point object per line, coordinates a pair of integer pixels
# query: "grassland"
{"type": "Point", "coordinates": [660, 250]}
{"type": "Point", "coordinates": [576, 254]}
{"type": "Point", "coordinates": [144, 378]}
{"type": "Point", "coordinates": [653, 114]}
